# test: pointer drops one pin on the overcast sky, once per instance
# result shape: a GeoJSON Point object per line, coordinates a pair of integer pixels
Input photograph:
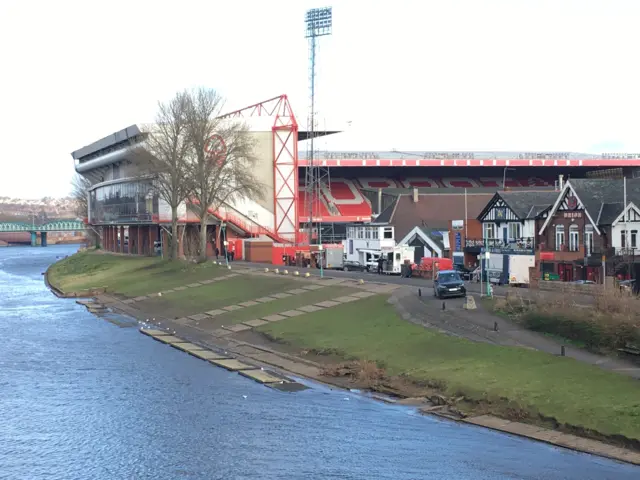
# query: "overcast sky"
{"type": "Point", "coordinates": [415, 75]}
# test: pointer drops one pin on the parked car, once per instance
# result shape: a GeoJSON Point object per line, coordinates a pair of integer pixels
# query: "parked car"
{"type": "Point", "coordinates": [448, 283]}
{"type": "Point", "coordinates": [353, 266]}
{"type": "Point", "coordinates": [627, 286]}
{"type": "Point", "coordinates": [465, 273]}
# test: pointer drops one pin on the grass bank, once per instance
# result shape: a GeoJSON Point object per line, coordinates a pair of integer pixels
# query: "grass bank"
{"type": "Point", "coordinates": [534, 385]}
{"type": "Point", "coordinates": [126, 275]}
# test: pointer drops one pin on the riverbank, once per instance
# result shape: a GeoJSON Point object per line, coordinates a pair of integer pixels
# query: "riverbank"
{"type": "Point", "coordinates": [361, 343]}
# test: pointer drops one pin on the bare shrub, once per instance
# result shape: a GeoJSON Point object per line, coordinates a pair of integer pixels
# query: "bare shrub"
{"type": "Point", "coordinates": [611, 320]}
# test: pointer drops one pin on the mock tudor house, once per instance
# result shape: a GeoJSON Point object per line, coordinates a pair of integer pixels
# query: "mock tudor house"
{"type": "Point", "coordinates": [586, 229]}
{"type": "Point", "coordinates": [509, 223]}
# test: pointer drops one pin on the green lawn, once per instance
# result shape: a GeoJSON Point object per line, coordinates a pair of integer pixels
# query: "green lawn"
{"type": "Point", "coordinates": [128, 275]}
{"type": "Point", "coordinates": [216, 295]}
{"type": "Point", "coordinates": [571, 392]}
{"type": "Point", "coordinates": [284, 304]}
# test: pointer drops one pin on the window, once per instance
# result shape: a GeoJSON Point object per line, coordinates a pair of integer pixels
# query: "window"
{"type": "Point", "coordinates": [588, 240]}
{"type": "Point", "coordinates": [388, 232]}
{"type": "Point", "coordinates": [374, 233]}
{"type": "Point", "coordinates": [367, 233]}
{"type": "Point", "coordinates": [489, 231]}
{"type": "Point", "coordinates": [515, 231]}
{"type": "Point", "coordinates": [574, 238]}
{"type": "Point", "coordinates": [559, 237]}
{"type": "Point", "coordinates": [634, 238]}
{"type": "Point", "coordinates": [623, 239]}
{"type": "Point", "coordinates": [360, 232]}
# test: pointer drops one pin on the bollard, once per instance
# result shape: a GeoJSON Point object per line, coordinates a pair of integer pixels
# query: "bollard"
{"type": "Point", "coordinates": [443, 306]}
{"type": "Point", "coordinates": [562, 351]}
{"type": "Point", "coordinates": [495, 326]}
{"type": "Point", "coordinates": [419, 292]}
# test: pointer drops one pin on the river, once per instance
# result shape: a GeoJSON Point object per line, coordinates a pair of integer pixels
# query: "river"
{"type": "Point", "coordinates": [84, 398]}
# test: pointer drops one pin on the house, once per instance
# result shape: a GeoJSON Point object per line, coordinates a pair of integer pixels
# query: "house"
{"type": "Point", "coordinates": [585, 228]}
{"type": "Point", "coordinates": [427, 242]}
{"type": "Point", "coordinates": [509, 223]}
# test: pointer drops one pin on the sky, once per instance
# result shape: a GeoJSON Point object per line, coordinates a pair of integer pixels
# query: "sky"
{"type": "Point", "coordinates": [523, 75]}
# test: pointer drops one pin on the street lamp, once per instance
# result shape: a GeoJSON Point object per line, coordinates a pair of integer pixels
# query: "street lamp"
{"type": "Point", "coordinates": [504, 177]}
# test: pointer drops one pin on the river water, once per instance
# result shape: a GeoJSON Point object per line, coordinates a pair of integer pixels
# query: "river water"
{"type": "Point", "coordinates": [84, 398]}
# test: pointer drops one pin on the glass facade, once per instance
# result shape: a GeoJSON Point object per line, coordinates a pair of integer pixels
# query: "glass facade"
{"type": "Point", "coordinates": [131, 202]}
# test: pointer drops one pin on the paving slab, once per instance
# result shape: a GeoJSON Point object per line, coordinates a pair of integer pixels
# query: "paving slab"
{"type": "Point", "coordinates": [199, 316]}
{"type": "Point", "coordinates": [309, 308]}
{"type": "Point", "coordinates": [273, 318]}
{"type": "Point", "coordinates": [168, 339]}
{"type": "Point", "coordinates": [265, 299]}
{"type": "Point", "coordinates": [140, 298]}
{"type": "Point", "coordinates": [327, 304]}
{"type": "Point", "coordinates": [232, 308]}
{"type": "Point", "coordinates": [179, 289]}
{"type": "Point", "coordinates": [238, 327]}
{"type": "Point", "coordinates": [207, 282]}
{"type": "Point", "coordinates": [297, 291]}
{"type": "Point", "coordinates": [208, 355]}
{"type": "Point", "coordinates": [292, 313]}
{"type": "Point", "coordinates": [255, 323]}
{"type": "Point", "coordinates": [313, 287]}
{"type": "Point", "coordinates": [128, 301]}
{"type": "Point", "coordinates": [183, 321]}
{"type": "Point", "coordinates": [281, 295]}
{"type": "Point", "coordinates": [260, 376]}
{"type": "Point", "coordinates": [196, 284]}
{"type": "Point", "coordinates": [152, 332]}
{"type": "Point", "coordinates": [250, 303]}
{"type": "Point", "coordinates": [231, 275]}
{"type": "Point", "coordinates": [221, 332]}
{"type": "Point", "coordinates": [346, 299]}
{"type": "Point", "coordinates": [232, 364]}
{"type": "Point", "coordinates": [363, 294]}
{"type": "Point", "coordinates": [171, 290]}
{"type": "Point", "coordinates": [215, 313]}
{"type": "Point", "coordinates": [186, 346]}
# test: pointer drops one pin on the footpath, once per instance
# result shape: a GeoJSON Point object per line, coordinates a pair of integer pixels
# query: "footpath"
{"type": "Point", "coordinates": [215, 331]}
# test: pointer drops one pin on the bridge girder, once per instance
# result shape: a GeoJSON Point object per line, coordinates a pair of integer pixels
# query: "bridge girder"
{"type": "Point", "coordinates": [54, 226]}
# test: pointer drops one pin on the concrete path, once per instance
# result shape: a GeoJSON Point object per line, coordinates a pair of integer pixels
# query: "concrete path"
{"type": "Point", "coordinates": [478, 325]}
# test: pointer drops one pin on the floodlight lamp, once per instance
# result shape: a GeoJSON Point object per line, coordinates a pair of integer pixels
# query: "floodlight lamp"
{"type": "Point", "coordinates": [318, 22]}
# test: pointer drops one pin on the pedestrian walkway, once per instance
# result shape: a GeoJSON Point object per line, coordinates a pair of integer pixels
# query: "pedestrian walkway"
{"type": "Point", "coordinates": [480, 326]}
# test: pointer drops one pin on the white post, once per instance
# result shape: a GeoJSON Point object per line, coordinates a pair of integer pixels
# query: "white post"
{"type": "Point", "coordinates": [465, 215]}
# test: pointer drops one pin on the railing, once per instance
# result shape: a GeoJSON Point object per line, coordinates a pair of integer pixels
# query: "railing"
{"type": "Point", "coordinates": [627, 251]}
{"type": "Point", "coordinates": [246, 224]}
{"type": "Point", "coordinates": [523, 244]}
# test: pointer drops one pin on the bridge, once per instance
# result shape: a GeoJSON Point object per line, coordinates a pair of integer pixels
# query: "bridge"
{"type": "Point", "coordinates": [42, 229]}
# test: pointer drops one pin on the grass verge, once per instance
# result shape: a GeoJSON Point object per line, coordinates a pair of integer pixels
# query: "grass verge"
{"type": "Point", "coordinates": [541, 385]}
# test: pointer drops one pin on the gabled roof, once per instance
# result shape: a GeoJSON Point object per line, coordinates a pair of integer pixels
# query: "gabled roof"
{"type": "Point", "coordinates": [620, 218]}
{"type": "Point", "coordinates": [530, 204]}
{"type": "Point", "coordinates": [524, 204]}
{"type": "Point", "coordinates": [603, 199]}
{"type": "Point", "coordinates": [432, 237]}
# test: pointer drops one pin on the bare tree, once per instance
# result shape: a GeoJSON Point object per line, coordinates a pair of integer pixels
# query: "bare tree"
{"type": "Point", "coordinates": [222, 161]}
{"type": "Point", "coordinates": [164, 155]}
{"type": "Point", "coordinates": [80, 193]}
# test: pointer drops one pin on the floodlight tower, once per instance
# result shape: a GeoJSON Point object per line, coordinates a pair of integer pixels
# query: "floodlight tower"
{"type": "Point", "coordinates": [318, 24]}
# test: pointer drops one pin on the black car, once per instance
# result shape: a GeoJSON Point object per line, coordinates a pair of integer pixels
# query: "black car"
{"type": "Point", "coordinates": [464, 272]}
{"type": "Point", "coordinates": [449, 284]}
{"type": "Point", "coordinates": [351, 266]}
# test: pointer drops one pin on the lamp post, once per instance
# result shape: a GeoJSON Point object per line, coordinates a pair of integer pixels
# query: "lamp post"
{"type": "Point", "coordinates": [504, 177]}
{"type": "Point", "coordinates": [225, 243]}
{"type": "Point", "coordinates": [321, 262]}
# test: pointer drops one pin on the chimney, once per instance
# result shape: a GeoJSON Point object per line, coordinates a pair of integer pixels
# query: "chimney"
{"type": "Point", "coordinates": [415, 195]}
{"type": "Point", "coordinates": [561, 181]}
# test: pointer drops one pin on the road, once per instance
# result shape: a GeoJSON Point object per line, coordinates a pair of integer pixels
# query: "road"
{"type": "Point", "coordinates": [427, 285]}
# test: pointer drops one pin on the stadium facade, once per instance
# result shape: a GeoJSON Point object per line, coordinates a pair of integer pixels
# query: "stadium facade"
{"type": "Point", "coordinates": [360, 185]}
